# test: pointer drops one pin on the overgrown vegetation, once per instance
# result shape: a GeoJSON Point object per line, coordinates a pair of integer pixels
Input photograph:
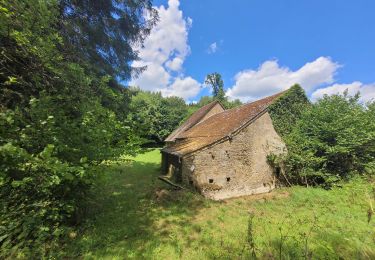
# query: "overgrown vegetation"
{"type": "Point", "coordinates": [61, 110]}
{"type": "Point", "coordinates": [327, 141]}
{"type": "Point", "coordinates": [288, 109]}
{"type": "Point", "coordinates": [155, 116]}
{"type": "Point", "coordinates": [135, 216]}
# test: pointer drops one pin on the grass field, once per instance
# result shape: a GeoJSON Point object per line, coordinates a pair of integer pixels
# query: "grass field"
{"type": "Point", "coordinates": [134, 215]}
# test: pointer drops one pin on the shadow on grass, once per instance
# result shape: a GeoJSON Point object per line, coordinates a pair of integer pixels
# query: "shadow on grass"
{"type": "Point", "coordinates": [131, 214]}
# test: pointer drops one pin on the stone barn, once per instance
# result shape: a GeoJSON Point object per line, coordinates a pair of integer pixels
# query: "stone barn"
{"type": "Point", "coordinates": [223, 153]}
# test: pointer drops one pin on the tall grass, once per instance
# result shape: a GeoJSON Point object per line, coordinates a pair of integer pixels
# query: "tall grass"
{"type": "Point", "coordinates": [136, 216]}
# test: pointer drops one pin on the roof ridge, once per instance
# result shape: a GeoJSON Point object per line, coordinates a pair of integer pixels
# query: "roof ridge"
{"type": "Point", "coordinates": [191, 121]}
{"type": "Point", "coordinates": [221, 126]}
{"type": "Point", "coordinates": [228, 111]}
{"type": "Point", "coordinates": [209, 107]}
{"type": "Point", "coordinates": [252, 102]}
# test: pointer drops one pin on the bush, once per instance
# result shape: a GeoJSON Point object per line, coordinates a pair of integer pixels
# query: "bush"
{"type": "Point", "coordinates": [288, 108]}
{"type": "Point", "coordinates": [45, 159]}
{"type": "Point", "coordinates": [332, 140]}
{"type": "Point", "coordinates": [38, 194]}
{"type": "Point", "coordinates": [58, 117]}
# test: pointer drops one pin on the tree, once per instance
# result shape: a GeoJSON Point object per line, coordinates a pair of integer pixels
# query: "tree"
{"type": "Point", "coordinates": [327, 141]}
{"type": "Point", "coordinates": [155, 116]}
{"type": "Point", "coordinates": [61, 111]}
{"type": "Point", "coordinates": [174, 110]}
{"type": "Point", "coordinates": [217, 84]}
{"type": "Point", "coordinates": [104, 33]}
{"type": "Point", "coordinates": [232, 104]}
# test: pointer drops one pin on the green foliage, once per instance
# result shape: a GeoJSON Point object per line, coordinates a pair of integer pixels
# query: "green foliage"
{"type": "Point", "coordinates": [44, 169]}
{"type": "Point", "coordinates": [29, 52]}
{"type": "Point", "coordinates": [149, 220]}
{"type": "Point", "coordinates": [288, 108]}
{"type": "Point", "coordinates": [154, 116]}
{"type": "Point", "coordinates": [333, 140]}
{"type": "Point", "coordinates": [327, 141]}
{"type": "Point", "coordinates": [58, 116]}
{"type": "Point", "coordinates": [232, 104]}
{"type": "Point", "coordinates": [204, 100]}
{"type": "Point", "coordinates": [215, 81]}
{"type": "Point", "coordinates": [217, 84]}
{"type": "Point", "coordinates": [106, 38]}
{"type": "Point", "coordinates": [38, 193]}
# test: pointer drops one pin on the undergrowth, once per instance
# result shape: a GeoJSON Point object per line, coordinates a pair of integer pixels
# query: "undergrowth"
{"type": "Point", "coordinates": [136, 216]}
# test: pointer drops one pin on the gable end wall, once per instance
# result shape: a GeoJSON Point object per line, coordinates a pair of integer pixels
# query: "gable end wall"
{"type": "Point", "coordinates": [215, 110]}
{"type": "Point", "coordinates": [238, 167]}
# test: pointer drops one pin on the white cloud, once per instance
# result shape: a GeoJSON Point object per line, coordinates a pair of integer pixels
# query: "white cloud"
{"type": "Point", "coordinates": [367, 92]}
{"type": "Point", "coordinates": [166, 49]}
{"type": "Point", "coordinates": [271, 78]}
{"type": "Point", "coordinates": [155, 77]}
{"type": "Point", "coordinates": [212, 48]}
{"type": "Point", "coordinates": [183, 87]}
{"type": "Point", "coordinates": [164, 53]}
{"type": "Point", "coordinates": [168, 39]}
{"type": "Point", "coordinates": [175, 64]}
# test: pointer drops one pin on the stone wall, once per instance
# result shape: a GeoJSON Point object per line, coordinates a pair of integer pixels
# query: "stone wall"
{"type": "Point", "coordinates": [215, 110]}
{"type": "Point", "coordinates": [238, 167]}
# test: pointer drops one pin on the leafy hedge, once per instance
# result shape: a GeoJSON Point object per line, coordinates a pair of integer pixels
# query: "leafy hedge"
{"type": "Point", "coordinates": [288, 108]}
{"type": "Point", "coordinates": [45, 160]}
{"type": "Point", "coordinates": [41, 192]}
{"type": "Point", "coordinates": [327, 141]}
{"type": "Point", "coordinates": [57, 119]}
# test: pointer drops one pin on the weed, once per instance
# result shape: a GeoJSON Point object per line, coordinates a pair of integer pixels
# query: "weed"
{"type": "Point", "coordinates": [129, 220]}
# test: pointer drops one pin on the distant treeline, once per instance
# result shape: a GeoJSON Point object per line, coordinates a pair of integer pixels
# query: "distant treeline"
{"type": "Point", "coordinates": [155, 116]}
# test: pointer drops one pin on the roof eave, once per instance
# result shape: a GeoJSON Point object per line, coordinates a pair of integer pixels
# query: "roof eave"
{"type": "Point", "coordinates": [230, 135]}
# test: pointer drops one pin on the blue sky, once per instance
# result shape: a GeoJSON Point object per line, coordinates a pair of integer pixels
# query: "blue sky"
{"type": "Point", "coordinates": [261, 47]}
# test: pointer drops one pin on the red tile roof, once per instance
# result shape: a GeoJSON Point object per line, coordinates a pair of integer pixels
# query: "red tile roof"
{"type": "Point", "coordinates": [219, 126]}
{"type": "Point", "coordinates": [191, 121]}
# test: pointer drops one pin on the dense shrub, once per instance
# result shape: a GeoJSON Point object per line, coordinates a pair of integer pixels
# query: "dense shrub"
{"type": "Point", "coordinates": [331, 140]}
{"type": "Point", "coordinates": [288, 108]}
{"type": "Point", "coordinates": [58, 117]}
{"type": "Point", "coordinates": [45, 160]}
{"type": "Point", "coordinates": [38, 193]}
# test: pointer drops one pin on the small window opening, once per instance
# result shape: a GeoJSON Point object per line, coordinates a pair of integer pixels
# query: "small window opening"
{"type": "Point", "coordinates": [211, 180]}
{"type": "Point", "coordinates": [191, 182]}
{"type": "Point", "coordinates": [277, 172]}
{"type": "Point", "coordinates": [228, 179]}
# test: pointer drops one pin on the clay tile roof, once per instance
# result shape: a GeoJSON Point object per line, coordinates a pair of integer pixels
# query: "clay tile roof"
{"type": "Point", "coordinates": [191, 121]}
{"type": "Point", "coordinates": [219, 126]}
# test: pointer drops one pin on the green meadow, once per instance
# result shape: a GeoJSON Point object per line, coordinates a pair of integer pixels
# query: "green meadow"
{"type": "Point", "coordinates": [133, 215]}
